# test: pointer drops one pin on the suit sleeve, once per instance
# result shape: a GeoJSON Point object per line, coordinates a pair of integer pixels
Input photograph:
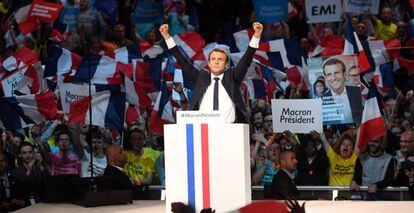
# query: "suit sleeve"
{"type": "Point", "coordinates": [358, 172]}
{"type": "Point", "coordinates": [389, 176]}
{"type": "Point", "coordinates": [244, 63]}
{"type": "Point", "coordinates": [190, 73]}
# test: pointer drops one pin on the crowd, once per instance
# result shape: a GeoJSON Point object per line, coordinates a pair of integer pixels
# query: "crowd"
{"type": "Point", "coordinates": [57, 147]}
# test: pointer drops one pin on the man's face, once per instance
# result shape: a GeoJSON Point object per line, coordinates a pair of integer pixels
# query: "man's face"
{"type": "Point", "coordinates": [137, 140]}
{"type": "Point", "coordinates": [119, 32]}
{"type": "Point", "coordinates": [84, 4]}
{"type": "Point", "coordinates": [335, 77]}
{"type": "Point", "coordinates": [355, 78]}
{"type": "Point", "coordinates": [374, 146]}
{"type": "Point", "coordinates": [361, 29]}
{"type": "Point", "coordinates": [290, 161]}
{"type": "Point", "coordinates": [26, 154]}
{"type": "Point", "coordinates": [258, 118]}
{"type": "Point", "coordinates": [3, 163]}
{"type": "Point", "coordinates": [267, 121]}
{"type": "Point", "coordinates": [217, 62]}
{"type": "Point", "coordinates": [63, 142]}
{"type": "Point", "coordinates": [310, 150]}
{"type": "Point", "coordinates": [97, 145]}
{"type": "Point", "coordinates": [406, 142]}
{"type": "Point", "coordinates": [386, 14]}
{"type": "Point", "coordinates": [120, 156]}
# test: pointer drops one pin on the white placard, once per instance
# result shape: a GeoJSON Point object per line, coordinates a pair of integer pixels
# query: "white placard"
{"type": "Point", "coordinates": [319, 11]}
{"type": "Point", "coordinates": [10, 83]}
{"type": "Point", "coordinates": [297, 115]}
{"type": "Point", "coordinates": [189, 117]}
{"type": "Point", "coordinates": [72, 92]}
{"type": "Point", "coordinates": [361, 6]}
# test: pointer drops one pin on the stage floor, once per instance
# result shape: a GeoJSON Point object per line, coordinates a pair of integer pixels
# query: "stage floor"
{"type": "Point", "coordinates": [154, 206]}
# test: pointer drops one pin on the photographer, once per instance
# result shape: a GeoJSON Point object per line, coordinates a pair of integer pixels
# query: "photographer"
{"type": "Point", "coordinates": [405, 174]}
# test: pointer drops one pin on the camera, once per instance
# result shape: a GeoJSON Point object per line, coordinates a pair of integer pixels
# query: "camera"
{"type": "Point", "coordinates": [407, 164]}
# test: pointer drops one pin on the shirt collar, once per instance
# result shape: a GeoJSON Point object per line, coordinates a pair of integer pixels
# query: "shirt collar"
{"type": "Point", "coordinates": [219, 76]}
{"type": "Point", "coordinates": [289, 174]}
{"type": "Point", "coordinates": [120, 168]}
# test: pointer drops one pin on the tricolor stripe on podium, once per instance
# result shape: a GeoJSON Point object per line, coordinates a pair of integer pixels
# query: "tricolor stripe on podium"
{"type": "Point", "coordinates": [205, 166]}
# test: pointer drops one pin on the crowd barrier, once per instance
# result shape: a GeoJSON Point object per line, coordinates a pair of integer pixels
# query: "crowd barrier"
{"type": "Point", "coordinates": [314, 193]}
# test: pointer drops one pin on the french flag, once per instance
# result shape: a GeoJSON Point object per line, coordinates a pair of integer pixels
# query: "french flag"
{"type": "Point", "coordinates": [148, 74]}
{"type": "Point", "coordinates": [353, 46]}
{"type": "Point", "coordinates": [238, 42]}
{"type": "Point", "coordinates": [132, 114]}
{"type": "Point", "coordinates": [103, 70]}
{"type": "Point", "coordinates": [135, 94]}
{"type": "Point", "coordinates": [282, 53]}
{"type": "Point", "coordinates": [269, 79]}
{"type": "Point", "coordinates": [162, 112]}
{"type": "Point", "coordinates": [60, 62]}
{"type": "Point", "coordinates": [330, 45]}
{"type": "Point", "coordinates": [22, 9]}
{"type": "Point", "coordinates": [383, 78]}
{"type": "Point", "coordinates": [191, 43]}
{"type": "Point", "coordinates": [255, 89]}
{"type": "Point", "coordinates": [108, 106]}
{"type": "Point", "coordinates": [10, 117]}
{"type": "Point", "coordinates": [37, 108]}
{"type": "Point", "coordinates": [371, 126]}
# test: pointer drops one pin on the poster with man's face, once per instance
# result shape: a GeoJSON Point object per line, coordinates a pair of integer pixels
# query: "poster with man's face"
{"type": "Point", "coordinates": [336, 81]}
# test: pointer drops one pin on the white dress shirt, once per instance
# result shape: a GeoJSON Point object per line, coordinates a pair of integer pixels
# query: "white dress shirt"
{"type": "Point", "coordinates": [226, 105]}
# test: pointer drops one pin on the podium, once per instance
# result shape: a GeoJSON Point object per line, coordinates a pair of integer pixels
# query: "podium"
{"type": "Point", "coordinates": [207, 162]}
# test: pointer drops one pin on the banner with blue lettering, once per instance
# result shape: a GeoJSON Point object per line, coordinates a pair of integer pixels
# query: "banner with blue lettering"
{"type": "Point", "coordinates": [362, 6]}
{"type": "Point", "coordinates": [148, 12]}
{"type": "Point", "coordinates": [270, 11]}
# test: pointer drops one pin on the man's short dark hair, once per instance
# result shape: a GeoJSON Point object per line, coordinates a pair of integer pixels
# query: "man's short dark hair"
{"type": "Point", "coordinates": [333, 61]}
{"type": "Point", "coordinates": [221, 51]}
{"type": "Point", "coordinates": [285, 152]}
{"type": "Point", "coordinates": [23, 144]}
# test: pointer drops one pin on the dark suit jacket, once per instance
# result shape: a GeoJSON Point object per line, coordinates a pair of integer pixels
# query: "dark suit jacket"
{"type": "Point", "coordinates": [355, 100]}
{"type": "Point", "coordinates": [121, 177]}
{"type": "Point", "coordinates": [231, 81]}
{"type": "Point", "coordinates": [316, 173]}
{"type": "Point", "coordinates": [283, 187]}
{"type": "Point", "coordinates": [139, 192]}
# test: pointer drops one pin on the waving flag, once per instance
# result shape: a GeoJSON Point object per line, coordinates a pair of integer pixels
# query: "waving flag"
{"type": "Point", "coordinates": [162, 112]}
{"type": "Point", "coordinates": [108, 105]}
{"type": "Point", "coordinates": [353, 46]}
{"type": "Point", "coordinates": [371, 126]}
{"type": "Point", "coordinates": [135, 94]}
{"type": "Point", "coordinates": [38, 108]}
{"type": "Point", "coordinates": [330, 45]}
{"type": "Point", "coordinates": [191, 43]}
{"type": "Point", "coordinates": [60, 62]}
{"type": "Point", "coordinates": [102, 70]}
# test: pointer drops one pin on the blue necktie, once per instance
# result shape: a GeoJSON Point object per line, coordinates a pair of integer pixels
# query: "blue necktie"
{"type": "Point", "coordinates": [216, 100]}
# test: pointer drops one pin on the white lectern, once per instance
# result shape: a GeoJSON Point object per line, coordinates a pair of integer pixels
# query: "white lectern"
{"type": "Point", "coordinates": [207, 162]}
